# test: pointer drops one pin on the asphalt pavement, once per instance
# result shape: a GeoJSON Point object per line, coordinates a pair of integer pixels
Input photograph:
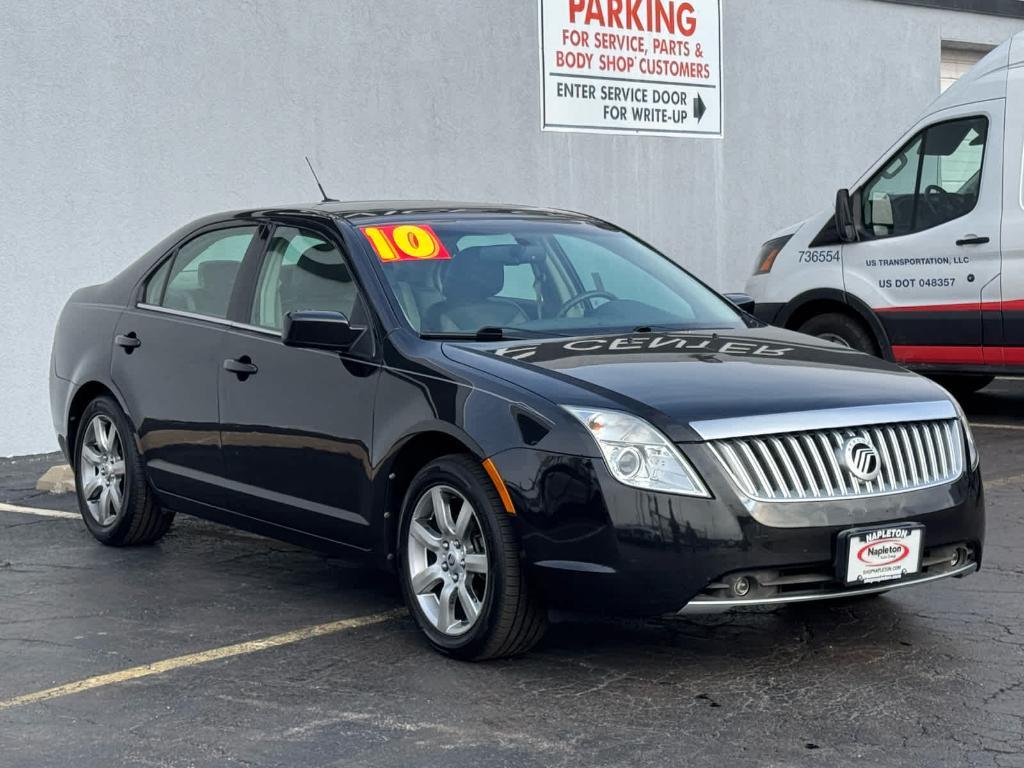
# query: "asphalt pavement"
{"type": "Point", "coordinates": [220, 648]}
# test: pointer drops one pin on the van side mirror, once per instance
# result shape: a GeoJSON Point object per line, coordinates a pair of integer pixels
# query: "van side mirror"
{"type": "Point", "coordinates": [742, 301]}
{"type": "Point", "coordinates": [320, 330]}
{"type": "Point", "coordinates": [845, 225]}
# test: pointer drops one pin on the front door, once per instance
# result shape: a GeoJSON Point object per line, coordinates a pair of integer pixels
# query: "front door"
{"type": "Point", "coordinates": [928, 260]}
{"type": "Point", "coordinates": [166, 359]}
{"type": "Point", "coordinates": [296, 431]}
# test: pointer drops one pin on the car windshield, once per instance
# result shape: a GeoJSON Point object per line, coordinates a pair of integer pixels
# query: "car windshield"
{"type": "Point", "coordinates": [513, 276]}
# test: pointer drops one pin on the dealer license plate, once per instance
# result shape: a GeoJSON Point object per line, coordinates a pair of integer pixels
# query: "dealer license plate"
{"type": "Point", "coordinates": [882, 554]}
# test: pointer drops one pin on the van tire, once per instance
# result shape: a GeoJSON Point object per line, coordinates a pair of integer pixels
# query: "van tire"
{"type": "Point", "coordinates": [841, 329]}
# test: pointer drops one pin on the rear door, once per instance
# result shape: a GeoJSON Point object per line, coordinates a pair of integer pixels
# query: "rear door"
{"type": "Point", "coordinates": [297, 431]}
{"type": "Point", "coordinates": [929, 254]}
{"type": "Point", "coordinates": [167, 360]}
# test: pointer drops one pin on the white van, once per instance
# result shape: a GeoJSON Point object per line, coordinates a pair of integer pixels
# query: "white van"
{"type": "Point", "coordinates": [923, 261]}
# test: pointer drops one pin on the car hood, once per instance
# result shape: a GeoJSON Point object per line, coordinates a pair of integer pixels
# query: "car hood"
{"type": "Point", "coordinates": [676, 379]}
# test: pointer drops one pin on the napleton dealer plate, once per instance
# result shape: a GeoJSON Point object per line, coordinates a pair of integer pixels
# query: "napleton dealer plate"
{"type": "Point", "coordinates": [882, 554]}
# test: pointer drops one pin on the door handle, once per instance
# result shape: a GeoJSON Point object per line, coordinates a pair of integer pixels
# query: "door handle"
{"type": "Point", "coordinates": [243, 367]}
{"type": "Point", "coordinates": [128, 341]}
{"type": "Point", "coordinates": [972, 240]}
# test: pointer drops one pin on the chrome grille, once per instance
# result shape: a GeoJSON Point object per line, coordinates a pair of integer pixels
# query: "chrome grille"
{"type": "Point", "coordinates": [806, 466]}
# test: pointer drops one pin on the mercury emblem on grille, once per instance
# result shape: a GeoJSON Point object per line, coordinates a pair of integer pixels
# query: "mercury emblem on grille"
{"type": "Point", "coordinates": [861, 459]}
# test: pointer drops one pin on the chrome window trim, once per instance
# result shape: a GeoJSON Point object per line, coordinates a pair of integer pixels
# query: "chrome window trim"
{"type": "Point", "coordinates": [830, 418]}
{"type": "Point", "coordinates": [209, 319]}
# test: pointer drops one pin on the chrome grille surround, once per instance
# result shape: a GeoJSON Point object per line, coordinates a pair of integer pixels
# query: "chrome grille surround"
{"type": "Point", "coordinates": [805, 465]}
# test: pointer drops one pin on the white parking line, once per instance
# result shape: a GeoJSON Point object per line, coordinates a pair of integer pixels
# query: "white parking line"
{"type": "Point", "coordinates": [39, 512]}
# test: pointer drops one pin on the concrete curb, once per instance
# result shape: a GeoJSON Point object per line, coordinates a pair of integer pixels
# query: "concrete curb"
{"type": "Point", "coordinates": [57, 480]}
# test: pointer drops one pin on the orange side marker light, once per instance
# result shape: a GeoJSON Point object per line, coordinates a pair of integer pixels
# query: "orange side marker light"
{"type": "Point", "coordinates": [499, 485]}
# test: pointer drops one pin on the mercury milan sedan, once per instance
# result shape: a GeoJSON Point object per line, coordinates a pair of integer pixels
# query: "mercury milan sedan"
{"type": "Point", "coordinates": [511, 409]}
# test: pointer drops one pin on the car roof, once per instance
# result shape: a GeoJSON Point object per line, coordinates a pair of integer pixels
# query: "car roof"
{"type": "Point", "coordinates": [364, 210]}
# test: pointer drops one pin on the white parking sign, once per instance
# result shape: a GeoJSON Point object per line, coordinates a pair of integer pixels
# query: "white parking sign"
{"type": "Point", "coordinates": [632, 66]}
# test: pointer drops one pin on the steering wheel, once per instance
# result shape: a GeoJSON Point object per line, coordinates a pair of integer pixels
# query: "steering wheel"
{"type": "Point", "coordinates": [936, 198]}
{"type": "Point", "coordinates": [564, 309]}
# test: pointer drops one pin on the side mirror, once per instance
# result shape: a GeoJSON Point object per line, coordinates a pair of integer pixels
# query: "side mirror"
{"type": "Point", "coordinates": [742, 301]}
{"type": "Point", "coordinates": [845, 225]}
{"type": "Point", "coordinates": [320, 330]}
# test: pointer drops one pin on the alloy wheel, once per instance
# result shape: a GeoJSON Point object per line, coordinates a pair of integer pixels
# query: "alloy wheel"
{"type": "Point", "coordinates": [101, 470]}
{"type": "Point", "coordinates": [447, 560]}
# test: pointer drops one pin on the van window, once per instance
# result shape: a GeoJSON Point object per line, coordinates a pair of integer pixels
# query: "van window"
{"type": "Point", "coordinates": [934, 178]}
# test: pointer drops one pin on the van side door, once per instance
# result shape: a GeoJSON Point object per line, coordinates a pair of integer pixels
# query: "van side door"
{"type": "Point", "coordinates": [929, 250]}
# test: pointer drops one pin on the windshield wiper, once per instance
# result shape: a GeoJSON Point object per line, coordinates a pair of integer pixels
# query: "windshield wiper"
{"type": "Point", "coordinates": [490, 333]}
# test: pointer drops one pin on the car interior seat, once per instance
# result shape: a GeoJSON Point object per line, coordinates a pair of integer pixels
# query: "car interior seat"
{"type": "Point", "coordinates": [216, 279]}
{"type": "Point", "coordinates": [319, 280]}
{"type": "Point", "coordinates": [470, 285]}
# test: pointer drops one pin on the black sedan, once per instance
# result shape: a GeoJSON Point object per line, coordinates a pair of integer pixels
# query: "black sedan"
{"type": "Point", "coordinates": [514, 409]}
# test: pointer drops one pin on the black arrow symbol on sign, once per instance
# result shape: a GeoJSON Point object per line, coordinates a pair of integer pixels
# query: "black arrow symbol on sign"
{"type": "Point", "coordinates": [699, 108]}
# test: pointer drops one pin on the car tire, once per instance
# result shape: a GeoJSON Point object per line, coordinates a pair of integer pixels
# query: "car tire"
{"type": "Point", "coordinates": [964, 385]}
{"type": "Point", "coordinates": [440, 562]}
{"type": "Point", "coordinates": [841, 329]}
{"type": "Point", "coordinates": [114, 496]}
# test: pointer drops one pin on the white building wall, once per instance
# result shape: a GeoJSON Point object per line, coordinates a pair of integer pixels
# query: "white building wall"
{"type": "Point", "coordinates": [121, 120]}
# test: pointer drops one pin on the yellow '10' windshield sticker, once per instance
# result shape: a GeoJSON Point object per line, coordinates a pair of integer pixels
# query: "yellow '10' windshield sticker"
{"type": "Point", "coordinates": [405, 242]}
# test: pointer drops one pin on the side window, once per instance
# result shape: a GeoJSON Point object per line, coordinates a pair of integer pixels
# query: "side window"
{"type": "Point", "coordinates": [935, 178]}
{"type": "Point", "coordinates": [157, 281]}
{"type": "Point", "coordinates": [888, 199]}
{"type": "Point", "coordinates": [597, 267]}
{"type": "Point", "coordinates": [519, 282]}
{"type": "Point", "coordinates": [301, 271]}
{"type": "Point", "coordinates": [202, 274]}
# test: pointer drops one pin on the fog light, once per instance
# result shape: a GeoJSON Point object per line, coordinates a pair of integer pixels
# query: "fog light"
{"type": "Point", "coordinates": [741, 587]}
{"type": "Point", "coordinates": [955, 560]}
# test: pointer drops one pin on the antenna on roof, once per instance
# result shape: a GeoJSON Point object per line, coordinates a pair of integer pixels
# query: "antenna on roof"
{"type": "Point", "coordinates": [317, 180]}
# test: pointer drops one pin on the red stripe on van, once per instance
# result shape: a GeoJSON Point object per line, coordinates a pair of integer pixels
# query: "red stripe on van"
{"type": "Point", "coordinates": [959, 355]}
{"type": "Point", "coordinates": [919, 354]}
{"type": "Point", "coordinates": [1016, 305]}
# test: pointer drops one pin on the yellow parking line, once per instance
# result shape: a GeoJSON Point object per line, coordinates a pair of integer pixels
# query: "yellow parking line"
{"type": "Point", "coordinates": [39, 512]}
{"type": "Point", "coordinates": [979, 425]}
{"type": "Point", "coordinates": [194, 659]}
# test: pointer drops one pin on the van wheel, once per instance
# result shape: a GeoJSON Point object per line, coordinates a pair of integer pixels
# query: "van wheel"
{"type": "Point", "coordinates": [841, 329]}
{"type": "Point", "coordinates": [114, 497]}
{"type": "Point", "coordinates": [459, 565]}
{"type": "Point", "coordinates": [964, 385]}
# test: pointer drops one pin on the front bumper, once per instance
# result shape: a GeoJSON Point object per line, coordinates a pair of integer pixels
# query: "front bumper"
{"type": "Point", "coordinates": [956, 560]}
{"type": "Point", "coordinates": [592, 544]}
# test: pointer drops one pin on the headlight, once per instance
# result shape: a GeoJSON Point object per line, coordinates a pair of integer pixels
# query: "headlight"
{"type": "Point", "coordinates": [972, 448]}
{"type": "Point", "coordinates": [769, 253]}
{"type": "Point", "coordinates": [639, 455]}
